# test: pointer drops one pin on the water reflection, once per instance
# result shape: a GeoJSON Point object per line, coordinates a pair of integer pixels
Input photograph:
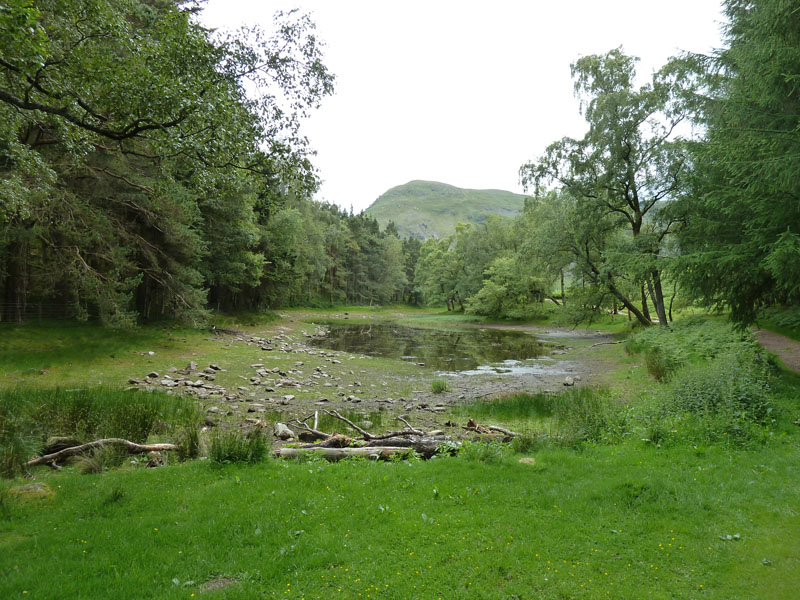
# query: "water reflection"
{"type": "Point", "coordinates": [450, 351]}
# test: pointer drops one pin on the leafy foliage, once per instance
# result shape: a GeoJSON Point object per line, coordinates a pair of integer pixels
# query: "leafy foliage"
{"type": "Point", "coordinates": [742, 243]}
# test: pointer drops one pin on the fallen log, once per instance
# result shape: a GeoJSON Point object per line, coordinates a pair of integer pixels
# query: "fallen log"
{"type": "Point", "coordinates": [334, 454]}
{"type": "Point", "coordinates": [427, 447]}
{"type": "Point", "coordinates": [131, 447]}
{"type": "Point", "coordinates": [312, 431]}
{"type": "Point", "coordinates": [502, 430]}
{"type": "Point", "coordinates": [364, 433]}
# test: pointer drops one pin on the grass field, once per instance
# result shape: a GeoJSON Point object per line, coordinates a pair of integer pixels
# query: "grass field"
{"type": "Point", "coordinates": [679, 479]}
{"type": "Point", "coordinates": [628, 521]}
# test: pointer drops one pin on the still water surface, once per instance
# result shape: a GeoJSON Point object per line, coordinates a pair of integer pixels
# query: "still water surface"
{"type": "Point", "coordinates": [469, 350]}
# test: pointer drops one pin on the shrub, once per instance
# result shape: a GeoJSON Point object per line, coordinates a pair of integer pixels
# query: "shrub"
{"type": "Point", "coordinates": [438, 386]}
{"type": "Point", "coordinates": [188, 440]}
{"type": "Point", "coordinates": [237, 447]}
{"type": "Point", "coordinates": [661, 364]}
{"type": "Point", "coordinates": [725, 401]}
{"type": "Point", "coordinates": [487, 452]}
{"type": "Point", "coordinates": [100, 459]}
{"type": "Point", "coordinates": [29, 416]}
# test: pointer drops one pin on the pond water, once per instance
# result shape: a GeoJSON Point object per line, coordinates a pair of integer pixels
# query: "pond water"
{"type": "Point", "coordinates": [469, 350]}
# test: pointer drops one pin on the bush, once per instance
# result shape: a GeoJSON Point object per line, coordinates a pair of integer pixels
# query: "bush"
{"type": "Point", "coordinates": [237, 447]}
{"type": "Point", "coordinates": [438, 386]}
{"type": "Point", "coordinates": [29, 416]}
{"type": "Point", "coordinates": [725, 401]}
{"type": "Point", "coordinates": [486, 452]}
{"type": "Point", "coordinates": [588, 415]}
{"type": "Point", "coordinates": [661, 364]}
{"type": "Point", "coordinates": [100, 459]}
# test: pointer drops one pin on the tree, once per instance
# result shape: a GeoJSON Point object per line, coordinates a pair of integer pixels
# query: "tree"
{"type": "Point", "coordinates": [741, 249]}
{"type": "Point", "coordinates": [621, 174]}
{"type": "Point", "coordinates": [128, 147]}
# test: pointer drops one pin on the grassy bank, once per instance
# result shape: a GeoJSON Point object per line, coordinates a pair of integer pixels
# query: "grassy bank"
{"type": "Point", "coordinates": [627, 521]}
{"type": "Point", "coordinates": [677, 480]}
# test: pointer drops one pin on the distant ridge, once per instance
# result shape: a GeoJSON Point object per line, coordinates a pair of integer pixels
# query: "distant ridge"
{"type": "Point", "coordinates": [426, 209]}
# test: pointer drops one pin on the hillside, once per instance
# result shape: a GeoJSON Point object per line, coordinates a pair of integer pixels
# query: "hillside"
{"type": "Point", "coordinates": [425, 209]}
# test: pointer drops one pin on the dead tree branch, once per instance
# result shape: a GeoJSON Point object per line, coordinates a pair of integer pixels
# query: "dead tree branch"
{"type": "Point", "coordinates": [131, 447]}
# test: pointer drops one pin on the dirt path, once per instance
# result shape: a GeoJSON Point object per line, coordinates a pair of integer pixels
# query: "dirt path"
{"type": "Point", "coordinates": [787, 349]}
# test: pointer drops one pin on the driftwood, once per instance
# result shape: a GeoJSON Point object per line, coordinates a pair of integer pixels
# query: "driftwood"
{"type": "Point", "coordinates": [606, 343]}
{"type": "Point", "coordinates": [312, 431]}
{"type": "Point", "coordinates": [131, 447]}
{"type": "Point", "coordinates": [502, 430]}
{"type": "Point", "coordinates": [427, 447]}
{"type": "Point", "coordinates": [337, 446]}
{"type": "Point", "coordinates": [473, 425]}
{"type": "Point", "coordinates": [333, 454]}
{"type": "Point", "coordinates": [364, 433]}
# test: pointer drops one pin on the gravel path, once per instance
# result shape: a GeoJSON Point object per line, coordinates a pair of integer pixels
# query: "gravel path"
{"type": "Point", "coordinates": [787, 349]}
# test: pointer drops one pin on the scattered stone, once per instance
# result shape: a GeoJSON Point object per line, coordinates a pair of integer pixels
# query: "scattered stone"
{"type": "Point", "coordinates": [152, 375]}
{"type": "Point", "coordinates": [214, 410]}
{"type": "Point", "coordinates": [288, 397]}
{"type": "Point", "coordinates": [367, 424]}
{"type": "Point", "coordinates": [209, 370]}
{"type": "Point", "coordinates": [282, 431]}
{"type": "Point", "coordinates": [214, 367]}
{"type": "Point", "coordinates": [154, 459]}
{"type": "Point", "coordinates": [134, 381]}
{"type": "Point", "coordinates": [59, 443]}
{"type": "Point", "coordinates": [435, 432]}
{"type": "Point", "coordinates": [569, 381]}
{"type": "Point", "coordinates": [192, 366]}
{"type": "Point", "coordinates": [527, 460]}
{"type": "Point", "coordinates": [33, 491]}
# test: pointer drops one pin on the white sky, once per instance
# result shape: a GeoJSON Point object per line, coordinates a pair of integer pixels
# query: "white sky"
{"type": "Point", "coordinates": [462, 92]}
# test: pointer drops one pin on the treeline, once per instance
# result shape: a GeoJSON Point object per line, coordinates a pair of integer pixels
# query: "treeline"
{"type": "Point", "coordinates": [139, 180]}
{"type": "Point", "coordinates": [639, 208]}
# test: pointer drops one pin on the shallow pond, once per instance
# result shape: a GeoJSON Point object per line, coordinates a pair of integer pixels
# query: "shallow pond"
{"type": "Point", "coordinates": [469, 350]}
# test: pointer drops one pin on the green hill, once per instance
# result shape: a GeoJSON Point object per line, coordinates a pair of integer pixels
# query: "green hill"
{"type": "Point", "coordinates": [425, 209]}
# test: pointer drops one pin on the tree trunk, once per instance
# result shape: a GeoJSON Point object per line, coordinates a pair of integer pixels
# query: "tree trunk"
{"type": "Point", "coordinates": [640, 316]}
{"type": "Point", "coordinates": [15, 288]}
{"type": "Point", "coordinates": [658, 299]}
{"type": "Point", "coordinates": [645, 310]}
{"type": "Point", "coordinates": [563, 295]}
{"type": "Point", "coordinates": [672, 298]}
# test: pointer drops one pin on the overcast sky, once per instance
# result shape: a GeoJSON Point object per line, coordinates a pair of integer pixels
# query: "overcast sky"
{"type": "Point", "coordinates": [462, 92]}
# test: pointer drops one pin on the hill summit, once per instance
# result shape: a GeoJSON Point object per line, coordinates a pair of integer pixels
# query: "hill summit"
{"type": "Point", "coordinates": [426, 209]}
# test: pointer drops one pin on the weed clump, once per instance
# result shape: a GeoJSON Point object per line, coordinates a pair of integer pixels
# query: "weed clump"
{"type": "Point", "coordinates": [238, 447]}
{"type": "Point", "coordinates": [438, 386]}
{"type": "Point", "coordinates": [28, 417]}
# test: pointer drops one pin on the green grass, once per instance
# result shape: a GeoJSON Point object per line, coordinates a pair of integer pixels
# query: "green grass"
{"type": "Point", "coordinates": [614, 522]}
{"type": "Point", "coordinates": [783, 320]}
{"type": "Point", "coordinates": [29, 416]}
{"type": "Point", "coordinates": [603, 512]}
{"type": "Point", "coordinates": [438, 386]}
